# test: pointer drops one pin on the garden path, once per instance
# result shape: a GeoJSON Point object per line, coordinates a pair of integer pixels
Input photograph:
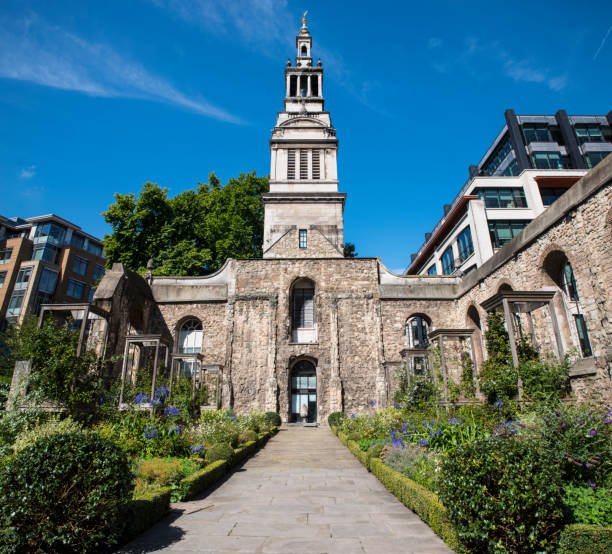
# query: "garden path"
{"type": "Point", "coordinates": [303, 492]}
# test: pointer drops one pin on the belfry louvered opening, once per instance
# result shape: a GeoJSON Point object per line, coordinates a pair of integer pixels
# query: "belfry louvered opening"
{"type": "Point", "coordinates": [316, 164]}
{"type": "Point", "coordinates": [291, 164]}
{"type": "Point", "coordinates": [304, 164]}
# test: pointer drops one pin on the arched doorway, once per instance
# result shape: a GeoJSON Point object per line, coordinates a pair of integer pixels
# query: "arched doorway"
{"type": "Point", "coordinates": [303, 393]}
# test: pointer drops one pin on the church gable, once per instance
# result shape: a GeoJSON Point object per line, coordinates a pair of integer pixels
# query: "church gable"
{"type": "Point", "coordinates": [304, 243]}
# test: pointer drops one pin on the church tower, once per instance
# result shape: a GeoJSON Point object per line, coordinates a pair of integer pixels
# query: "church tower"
{"type": "Point", "coordinates": [303, 210]}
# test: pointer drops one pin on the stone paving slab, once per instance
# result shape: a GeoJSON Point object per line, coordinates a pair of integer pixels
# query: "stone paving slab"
{"type": "Point", "coordinates": [303, 492]}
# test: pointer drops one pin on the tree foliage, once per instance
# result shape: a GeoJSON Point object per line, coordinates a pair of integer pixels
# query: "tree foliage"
{"type": "Point", "coordinates": [349, 250]}
{"type": "Point", "coordinates": [192, 233]}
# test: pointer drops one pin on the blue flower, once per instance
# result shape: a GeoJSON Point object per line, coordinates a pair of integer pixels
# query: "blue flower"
{"type": "Point", "coordinates": [142, 399]}
{"type": "Point", "coordinates": [156, 402]}
{"type": "Point", "coordinates": [404, 427]}
{"type": "Point", "coordinates": [150, 432]}
{"type": "Point", "coordinates": [174, 429]}
{"type": "Point", "coordinates": [592, 432]}
{"type": "Point", "coordinates": [455, 421]}
{"type": "Point", "coordinates": [423, 442]}
{"type": "Point", "coordinates": [162, 393]}
{"type": "Point", "coordinates": [196, 447]}
{"type": "Point", "coordinates": [352, 416]}
{"type": "Point", "coordinates": [172, 411]}
{"type": "Point", "coordinates": [498, 403]}
{"type": "Point", "coordinates": [395, 442]}
{"type": "Point", "coordinates": [372, 403]}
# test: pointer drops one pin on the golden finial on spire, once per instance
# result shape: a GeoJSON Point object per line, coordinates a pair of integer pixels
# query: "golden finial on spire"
{"type": "Point", "coordinates": [304, 19]}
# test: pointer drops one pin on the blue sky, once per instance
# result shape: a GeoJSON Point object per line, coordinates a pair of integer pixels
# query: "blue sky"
{"type": "Point", "coordinates": [100, 97]}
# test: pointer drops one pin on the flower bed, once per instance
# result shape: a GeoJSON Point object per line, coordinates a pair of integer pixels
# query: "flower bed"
{"type": "Point", "coordinates": [498, 478]}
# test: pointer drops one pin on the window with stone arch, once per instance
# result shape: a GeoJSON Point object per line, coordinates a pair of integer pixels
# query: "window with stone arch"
{"type": "Point", "coordinates": [190, 337]}
{"type": "Point", "coordinates": [302, 304]}
{"type": "Point", "coordinates": [559, 269]}
{"type": "Point", "coordinates": [417, 331]}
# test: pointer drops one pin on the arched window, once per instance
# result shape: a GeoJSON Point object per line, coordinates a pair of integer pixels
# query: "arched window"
{"type": "Point", "coordinates": [190, 337]}
{"type": "Point", "coordinates": [560, 271]}
{"type": "Point", "coordinates": [417, 330]}
{"type": "Point", "coordinates": [568, 282]}
{"type": "Point", "coordinates": [304, 50]}
{"type": "Point", "coordinates": [303, 312]}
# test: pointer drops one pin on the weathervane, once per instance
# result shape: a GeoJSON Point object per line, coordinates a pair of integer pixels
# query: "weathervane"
{"type": "Point", "coordinates": [304, 19]}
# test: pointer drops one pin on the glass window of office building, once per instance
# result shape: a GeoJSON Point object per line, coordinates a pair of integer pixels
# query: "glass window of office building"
{"type": "Point", "coordinates": [464, 242]}
{"type": "Point", "coordinates": [50, 232]}
{"type": "Point", "coordinates": [593, 158]}
{"type": "Point", "coordinates": [511, 197]}
{"type": "Point", "coordinates": [547, 160]}
{"type": "Point", "coordinates": [48, 280]}
{"type": "Point", "coordinates": [588, 133]}
{"type": "Point", "coordinates": [448, 265]}
{"type": "Point", "coordinates": [502, 232]}
{"type": "Point", "coordinates": [75, 289]}
{"type": "Point", "coordinates": [536, 133]}
{"type": "Point", "coordinates": [5, 255]}
{"type": "Point", "coordinates": [23, 278]}
{"type": "Point", "coordinates": [432, 270]}
{"type": "Point", "coordinates": [79, 265]}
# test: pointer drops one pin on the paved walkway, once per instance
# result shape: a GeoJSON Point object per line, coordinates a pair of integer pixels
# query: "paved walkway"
{"type": "Point", "coordinates": [303, 492]}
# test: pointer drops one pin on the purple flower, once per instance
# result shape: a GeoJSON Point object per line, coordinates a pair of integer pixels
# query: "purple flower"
{"type": "Point", "coordinates": [588, 465]}
{"type": "Point", "coordinates": [498, 403]}
{"type": "Point", "coordinates": [352, 416]}
{"type": "Point", "coordinates": [608, 421]}
{"type": "Point", "coordinates": [150, 432]}
{"type": "Point", "coordinates": [141, 399]}
{"type": "Point", "coordinates": [404, 426]}
{"type": "Point", "coordinates": [172, 411]}
{"type": "Point", "coordinates": [395, 442]}
{"type": "Point", "coordinates": [196, 447]}
{"type": "Point", "coordinates": [372, 403]}
{"type": "Point", "coordinates": [591, 484]}
{"type": "Point", "coordinates": [455, 421]}
{"type": "Point", "coordinates": [423, 442]}
{"type": "Point", "coordinates": [592, 432]}
{"type": "Point", "coordinates": [174, 429]}
{"type": "Point", "coordinates": [156, 402]}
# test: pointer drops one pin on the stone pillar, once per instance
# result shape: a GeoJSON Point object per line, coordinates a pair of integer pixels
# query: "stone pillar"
{"type": "Point", "coordinates": [19, 385]}
{"type": "Point", "coordinates": [516, 139]}
{"type": "Point", "coordinates": [309, 93]}
{"type": "Point", "coordinates": [288, 85]}
{"type": "Point", "coordinates": [335, 382]}
{"type": "Point", "coordinates": [227, 392]}
{"type": "Point", "coordinates": [271, 392]}
{"type": "Point", "coordinates": [381, 377]}
{"type": "Point", "coordinates": [510, 329]}
{"type": "Point", "coordinates": [321, 86]}
{"type": "Point", "coordinates": [569, 137]}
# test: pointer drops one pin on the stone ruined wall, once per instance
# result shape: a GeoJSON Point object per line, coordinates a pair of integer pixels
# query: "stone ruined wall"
{"type": "Point", "coordinates": [346, 293]}
{"type": "Point", "coordinates": [318, 245]}
{"type": "Point", "coordinates": [586, 239]}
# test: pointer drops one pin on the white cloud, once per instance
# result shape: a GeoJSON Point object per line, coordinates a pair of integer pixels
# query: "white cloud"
{"type": "Point", "coordinates": [33, 50]}
{"type": "Point", "coordinates": [270, 27]}
{"type": "Point", "coordinates": [28, 172]}
{"type": "Point", "coordinates": [475, 55]}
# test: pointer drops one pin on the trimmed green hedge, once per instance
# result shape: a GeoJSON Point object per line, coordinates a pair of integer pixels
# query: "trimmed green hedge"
{"type": "Point", "coordinates": [195, 483]}
{"type": "Point", "coordinates": [578, 538]}
{"type": "Point", "coordinates": [420, 500]}
{"type": "Point", "coordinates": [244, 452]}
{"type": "Point", "coordinates": [144, 511]}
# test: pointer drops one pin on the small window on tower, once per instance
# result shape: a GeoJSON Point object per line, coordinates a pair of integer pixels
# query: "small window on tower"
{"type": "Point", "coordinates": [291, 164]}
{"type": "Point", "coordinates": [304, 164]}
{"type": "Point", "coordinates": [314, 85]}
{"type": "Point", "coordinates": [304, 50]}
{"type": "Point", "coordinates": [316, 165]}
{"type": "Point", "coordinates": [303, 238]}
{"type": "Point", "coordinates": [293, 80]}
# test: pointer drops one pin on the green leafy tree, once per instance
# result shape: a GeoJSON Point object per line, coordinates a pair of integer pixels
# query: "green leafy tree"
{"type": "Point", "coordinates": [192, 233]}
{"type": "Point", "coordinates": [349, 250]}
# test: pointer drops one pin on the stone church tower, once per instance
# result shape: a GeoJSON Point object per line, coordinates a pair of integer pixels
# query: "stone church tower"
{"type": "Point", "coordinates": [303, 210]}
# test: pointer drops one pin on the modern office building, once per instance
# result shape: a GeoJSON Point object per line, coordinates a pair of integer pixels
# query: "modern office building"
{"type": "Point", "coordinates": [44, 260]}
{"type": "Point", "coordinates": [533, 161]}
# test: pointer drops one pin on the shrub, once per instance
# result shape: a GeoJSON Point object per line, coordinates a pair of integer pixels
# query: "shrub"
{"type": "Point", "coordinates": [274, 419]}
{"type": "Point", "coordinates": [215, 426]}
{"type": "Point", "coordinates": [335, 418]}
{"type": "Point", "coordinates": [13, 423]}
{"type": "Point", "coordinates": [66, 493]}
{"type": "Point", "coordinates": [578, 438]}
{"type": "Point", "coordinates": [502, 495]}
{"type": "Point", "coordinates": [545, 379]}
{"type": "Point", "coordinates": [163, 472]}
{"type": "Point", "coordinates": [414, 462]}
{"type": "Point", "coordinates": [145, 510]}
{"type": "Point", "coordinates": [588, 505]}
{"type": "Point", "coordinates": [247, 436]}
{"type": "Point", "coordinates": [354, 436]}
{"type": "Point", "coordinates": [375, 451]}
{"type": "Point", "coordinates": [220, 451]}
{"type": "Point", "coordinates": [47, 429]}
{"type": "Point", "coordinates": [578, 539]}
{"type": "Point", "coordinates": [199, 481]}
